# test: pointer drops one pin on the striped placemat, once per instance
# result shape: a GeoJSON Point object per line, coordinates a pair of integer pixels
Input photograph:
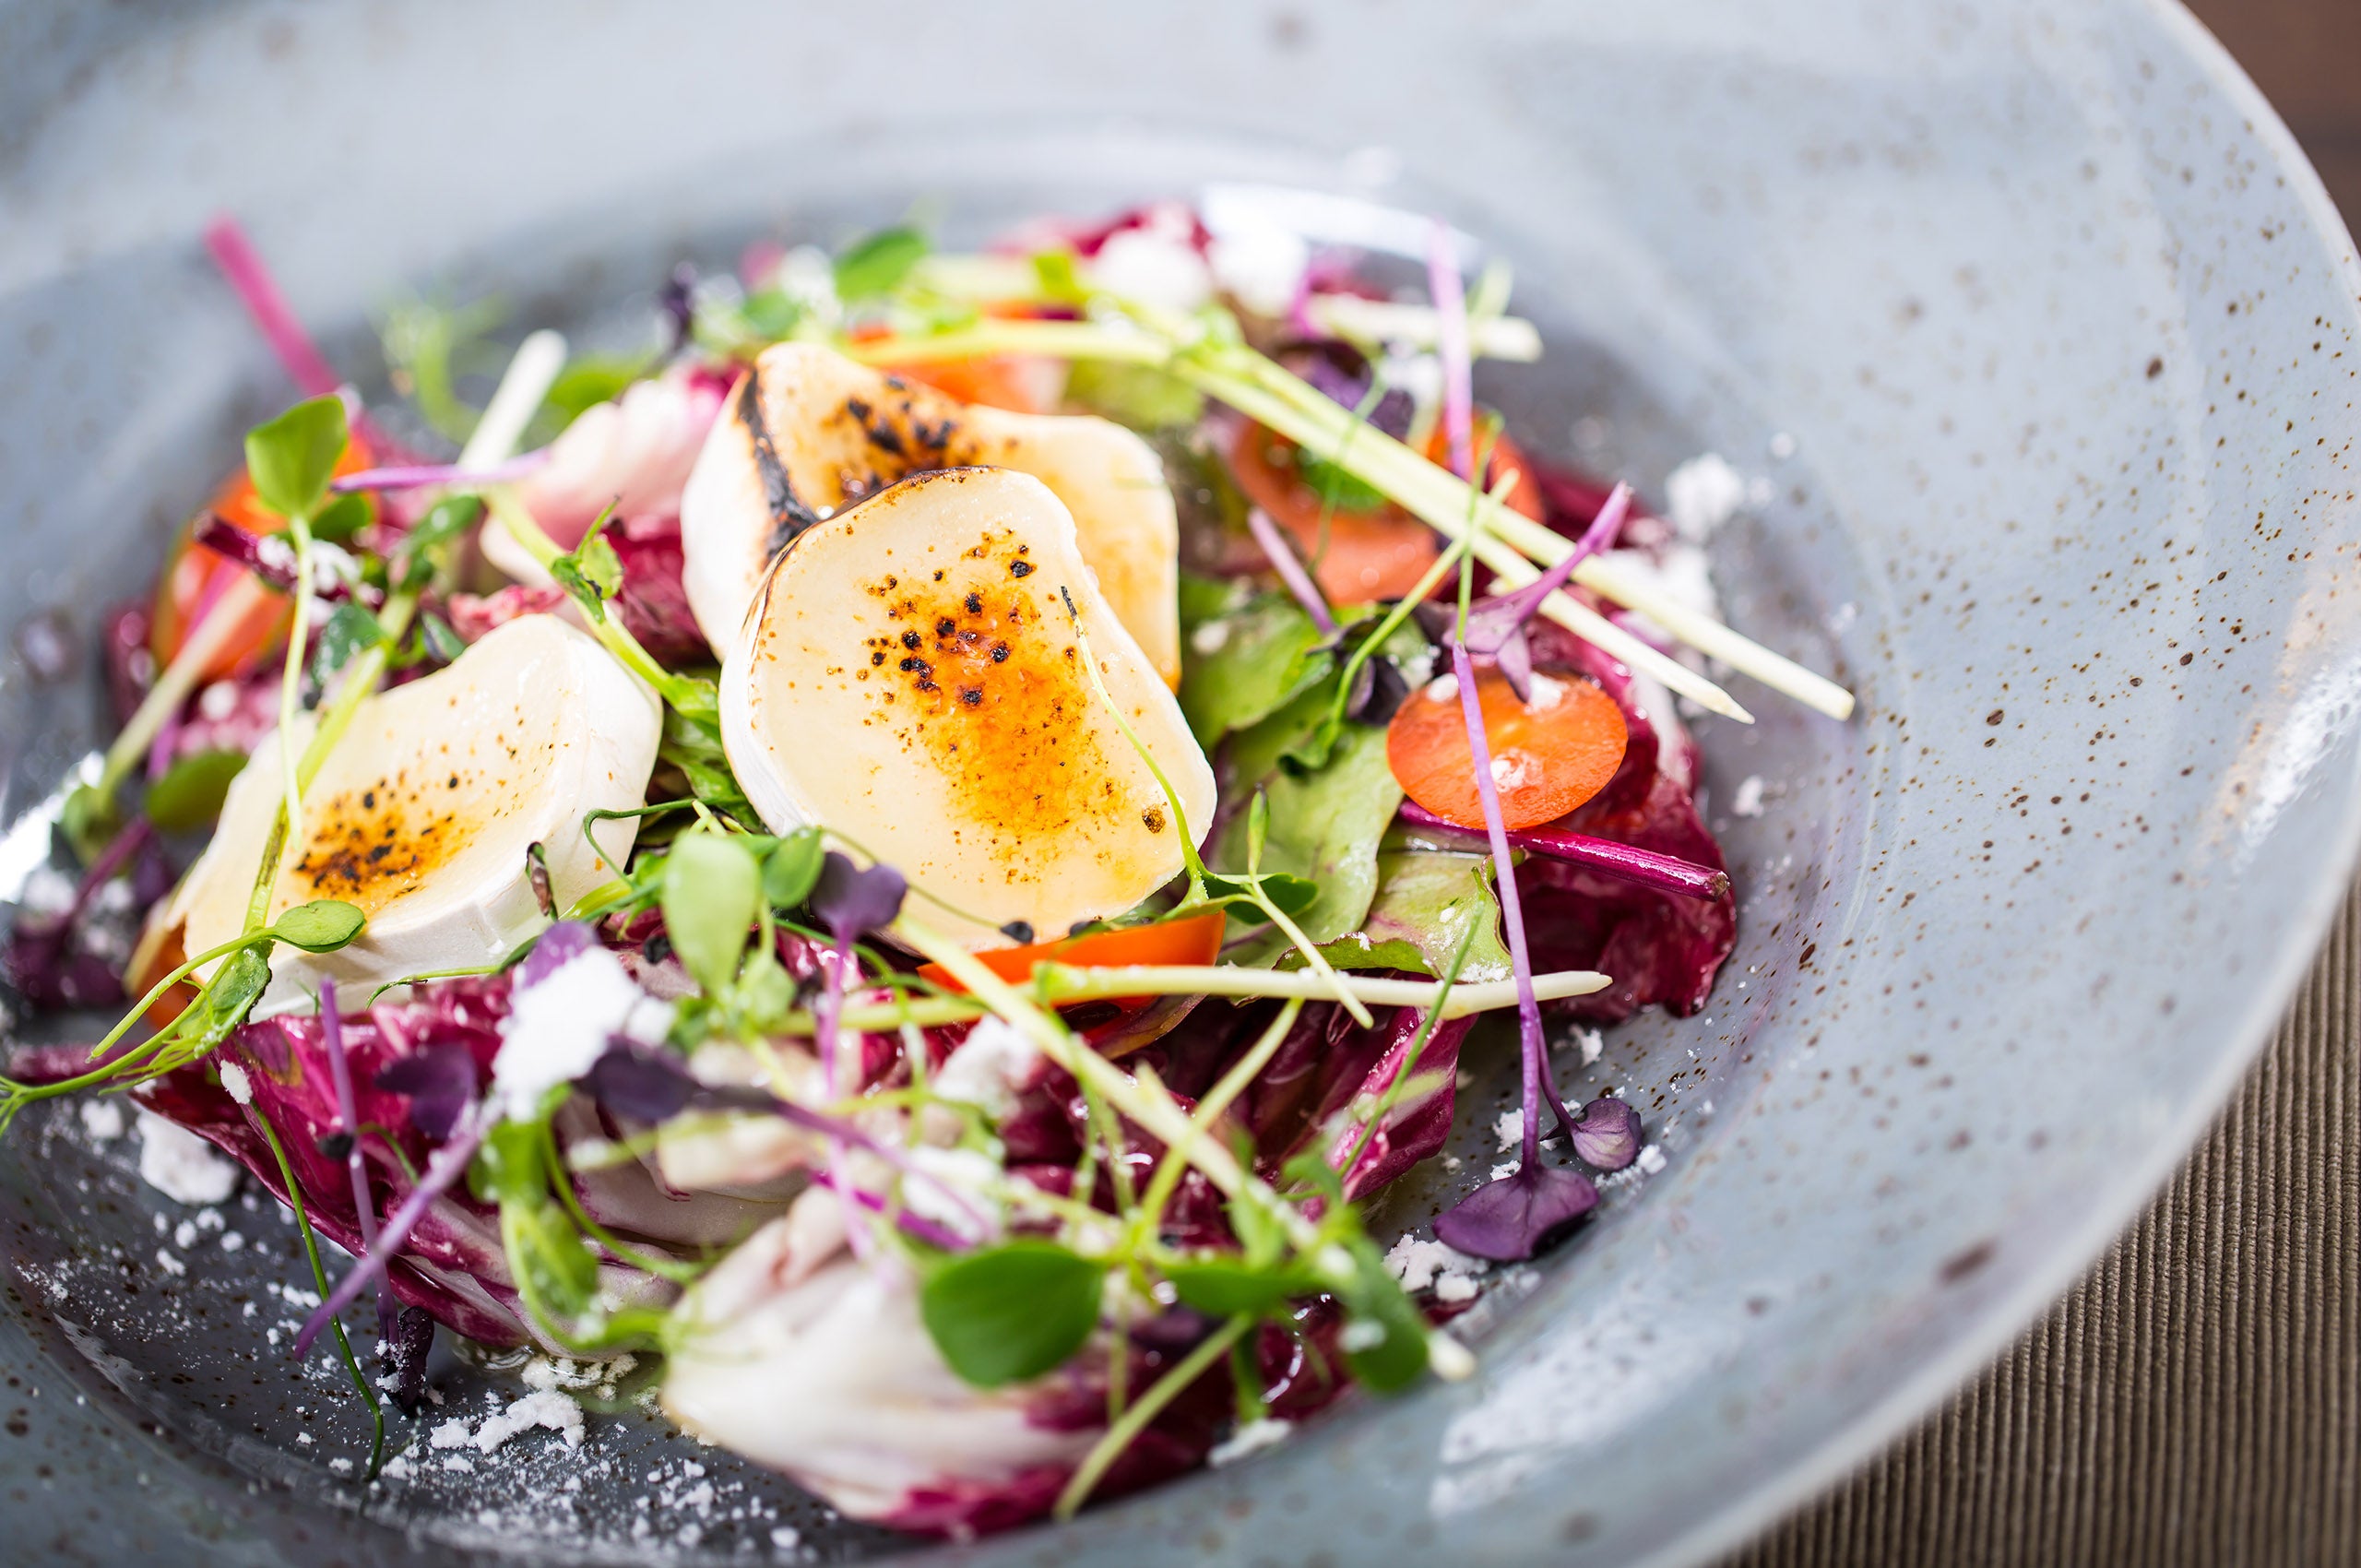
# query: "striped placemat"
{"type": "Point", "coordinates": [2196, 1398]}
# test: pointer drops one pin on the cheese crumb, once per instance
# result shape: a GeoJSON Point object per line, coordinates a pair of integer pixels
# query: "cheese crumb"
{"type": "Point", "coordinates": [1651, 1160]}
{"type": "Point", "coordinates": [1210, 637]}
{"type": "Point", "coordinates": [235, 1083]}
{"type": "Point", "coordinates": [1748, 800]}
{"type": "Point", "coordinates": [1511, 769]}
{"type": "Point", "coordinates": [1251, 1438]}
{"type": "Point", "coordinates": [1509, 1128]}
{"type": "Point", "coordinates": [182, 1166]}
{"type": "Point", "coordinates": [1443, 688]}
{"type": "Point", "coordinates": [543, 1408]}
{"type": "Point", "coordinates": [987, 1068]}
{"type": "Point", "coordinates": [556, 1030]}
{"type": "Point", "coordinates": [1702, 493]}
{"type": "Point", "coordinates": [101, 1119]}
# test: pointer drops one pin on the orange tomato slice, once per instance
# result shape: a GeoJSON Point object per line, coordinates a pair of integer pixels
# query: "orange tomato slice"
{"type": "Point", "coordinates": [1547, 756]}
{"type": "Point", "coordinates": [1195, 940]}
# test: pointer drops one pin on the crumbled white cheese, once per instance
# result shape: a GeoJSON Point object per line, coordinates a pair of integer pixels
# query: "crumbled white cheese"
{"type": "Point", "coordinates": [184, 1235]}
{"type": "Point", "coordinates": [1547, 694]}
{"type": "Point", "coordinates": [452, 1433]}
{"type": "Point", "coordinates": [235, 1083]}
{"type": "Point", "coordinates": [1362, 1333]}
{"type": "Point", "coordinates": [233, 1242]}
{"type": "Point", "coordinates": [1509, 1127]}
{"type": "Point", "coordinates": [170, 1264]}
{"type": "Point", "coordinates": [1782, 445]}
{"type": "Point", "coordinates": [1210, 637]}
{"type": "Point", "coordinates": [556, 1030]}
{"type": "Point", "coordinates": [1154, 267]}
{"type": "Point", "coordinates": [1417, 1263]}
{"type": "Point", "coordinates": [1702, 493]}
{"type": "Point", "coordinates": [1651, 1160]}
{"type": "Point", "coordinates": [1443, 688]}
{"type": "Point", "coordinates": [542, 1408]}
{"type": "Point", "coordinates": [1251, 1438]}
{"type": "Point", "coordinates": [101, 1120]}
{"type": "Point", "coordinates": [1453, 1289]}
{"type": "Point", "coordinates": [1261, 264]}
{"type": "Point", "coordinates": [1748, 800]}
{"type": "Point", "coordinates": [218, 701]}
{"type": "Point", "coordinates": [1511, 769]}
{"type": "Point", "coordinates": [182, 1166]}
{"type": "Point", "coordinates": [1680, 573]}
{"type": "Point", "coordinates": [988, 1067]}
{"type": "Point", "coordinates": [1592, 1043]}
{"type": "Point", "coordinates": [1502, 1172]}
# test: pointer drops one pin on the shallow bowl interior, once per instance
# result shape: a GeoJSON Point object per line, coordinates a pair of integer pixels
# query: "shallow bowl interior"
{"type": "Point", "coordinates": [2037, 334]}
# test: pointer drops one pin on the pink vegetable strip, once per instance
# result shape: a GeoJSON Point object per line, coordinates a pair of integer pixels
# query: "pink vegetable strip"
{"type": "Point", "coordinates": [1450, 343]}
{"type": "Point", "coordinates": [1291, 570]}
{"type": "Point", "coordinates": [416, 476]}
{"type": "Point", "coordinates": [1646, 867]}
{"type": "Point", "coordinates": [235, 255]}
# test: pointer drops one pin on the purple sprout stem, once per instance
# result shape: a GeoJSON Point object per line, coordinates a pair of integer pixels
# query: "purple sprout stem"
{"type": "Point", "coordinates": [915, 1225]}
{"type": "Point", "coordinates": [1538, 1079]}
{"type": "Point", "coordinates": [825, 1016]}
{"type": "Point", "coordinates": [416, 476]}
{"type": "Point", "coordinates": [348, 1119]}
{"type": "Point", "coordinates": [1626, 863]}
{"type": "Point", "coordinates": [1291, 570]}
{"type": "Point", "coordinates": [442, 1171]}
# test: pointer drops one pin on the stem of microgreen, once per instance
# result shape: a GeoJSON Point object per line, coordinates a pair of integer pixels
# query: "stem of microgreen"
{"type": "Point", "coordinates": [562, 1180]}
{"type": "Point", "coordinates": [1209, 1109]}
{"type": "Point", "coordinates": [291, 680]}
{"type": "Point", "coordinates": [1151, 1404]}
{"type": "Point", "coordinates": [674, 689]}
{"type": "Point", "coordinates": [320, 1282]}
{"type": "Point", "coordinates": [1153, 1108]}
{"type": "Point", "coordinates": [1056, 339]}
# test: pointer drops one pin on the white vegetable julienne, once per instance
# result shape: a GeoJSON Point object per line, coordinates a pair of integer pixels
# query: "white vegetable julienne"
{"type": "Point", "coordinates": [556, 1029]}
{"type": "Point", "coordinates": [924, 634]}
{"type": "Point", "coordinates": [182, 1166]}
{"type": "Point", "coordinates": [422, 813]}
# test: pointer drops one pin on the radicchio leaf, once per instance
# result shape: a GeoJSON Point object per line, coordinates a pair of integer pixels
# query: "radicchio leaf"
{"type": "Point", "coordinates": [441, 1081]}
{"type": "Point", "coordinates": [1509, 1219]}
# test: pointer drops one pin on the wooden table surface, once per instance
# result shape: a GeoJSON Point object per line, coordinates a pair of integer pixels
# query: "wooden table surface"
{"type": "Point", "coordinates": [2195, 1400]}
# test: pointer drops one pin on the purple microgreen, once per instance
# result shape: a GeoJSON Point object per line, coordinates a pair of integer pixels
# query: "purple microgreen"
{"type": "Point", "coordinates": [441, 1081]}
{"type": "Point", "coordinates": [677, 300]}
{"type": "Point", "coordinates": [851, 901]}
{"type": "Point", "coordinates": [1451, 344]}
{"type": "Point", "coordinates": [559, 945]}
{"type": "Point", "coordinates": [1509, 1219]}
{"type": "Point", "coordinates": [914, 1226]}
{"type": "Point", "coordinates": [1496, 625]}
{"type": "Point", "coordinates": [1377, 693]}
{"type": "Point", "coordinates": [364, 1208]}
{"type": "Point", "coordinates": [442, 1171]}
{"type": "Point", "coordinates": [420, 476]}
{"type": "Point", "coordinates": [1608, 1136]}
{"type": "Point", "coordinates": [1539, 1200]}
{"type": "Point", "coordinates": [641, 1087]}
{"type": "Point", "coordinates": [1626, 863]}
{"type": "Point", "coordinates": [1282, 556]}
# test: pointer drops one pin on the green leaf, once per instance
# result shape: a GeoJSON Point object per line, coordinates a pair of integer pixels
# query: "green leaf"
{"type": "Point", "coordinates": [712, 888]}
{"type": "Point", "coordinates": [90, 818]}
{"type": "Point", "coordinates": [189, 795]}
{"type": "Point", "coordinates": [1240, 668]}
{"type": "Point", "coordinates": [1325, 828]}
{"type": "Point", "coordinates": [441, 640]}
{"type": "Point", "coordinates": [1060, 278]}
{"type": "Point", "coordinates": [584, 384]}
{"type": "Point", "coordinates": [1140, 396]}
{"type": "Point", "coordinates": [693, 744]}
{"type": "Point", "coordinates": [592, 575]}
{"type": "Point", "coordinates": [226, 1002]}
{"type": "Point", "coordinates": [1229, 1286]}
{"type": "Point", "coordinates": [349, 630]}
{"type": "Point", "coordinates": [511, 1170]}
{"type": "Point", "coordinates": [293, 457]}
{"type": "Point", "coordinates": [1376, 1306]}
{"type": "Point", "coordinates": [791, 868]}
{"type": "Point", "coordinates": [877, 263]}
{"type": "Point", "coordinates": [1337, 487]}
{"type": "Point", "coordinates": [343, 517]}
{"type": "Point", "coordinates": [321, 926]}
{"type": "Point", "coordinates": [1311, 1168]}
{"type": "Point", "coordinates": [1427, 902]}
{"type": "Point", "coordinates": [548, 1255]}
{"type": "Point", "coordinates": [1003, 1315]}
{"type": "Point", "coordinates": [1292, 895]}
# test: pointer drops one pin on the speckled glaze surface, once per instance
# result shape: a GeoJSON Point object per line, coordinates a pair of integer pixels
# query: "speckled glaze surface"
{"type": "Point", "coordinates": [2059, 331]}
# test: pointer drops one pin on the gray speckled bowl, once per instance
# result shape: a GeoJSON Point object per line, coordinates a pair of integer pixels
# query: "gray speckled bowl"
{"type": "Point", "coordinates": [2059, 331]}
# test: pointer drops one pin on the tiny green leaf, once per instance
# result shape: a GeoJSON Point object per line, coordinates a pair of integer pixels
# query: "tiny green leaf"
{"type": "Point", "coordinates": [593, 573]}
{"type": "Point", "coordinates": [712, 888]}
{"type": "Point", "coordinates": [1385, 1336]}
{"type": "Point", "coordinates": [1229, 1286]}
{"type": "Point", "coordinates": [342, 518]}
{"type": "Point", "coordinates": [189, 795]}
{"type": "Point", "coordinates": [792, 868]}
{"type": "Point", "coordinates": [349, 630]}
{"type": "Point", "coordinates": [441, 640]}
{"type": "Point", "coordinates": [291, 459]}
{"type": "Point", "coordinates": [1003, 1315]}
{"type": "Point", "coordinates": [90, 819]}
{"type": "Point", "coordinates": [877, 263]}
{"type": "Point", "coordinates": [226, 1002]}
{"type": "Point", "coordinates": [1060, 278]}
{"type": "Point", "coordinates": [321, 926]}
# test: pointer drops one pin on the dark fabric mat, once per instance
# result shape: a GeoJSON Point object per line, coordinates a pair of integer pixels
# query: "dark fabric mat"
{"type": "Point", "coordinates": [2196, 1398]}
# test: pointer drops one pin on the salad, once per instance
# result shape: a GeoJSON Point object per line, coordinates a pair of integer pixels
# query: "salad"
{"type": "Point", "coordinates": [914, 853]}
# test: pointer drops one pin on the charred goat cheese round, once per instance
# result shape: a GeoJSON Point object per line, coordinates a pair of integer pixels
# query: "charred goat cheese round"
{"type": "Point", "coordinates": [910, 676]}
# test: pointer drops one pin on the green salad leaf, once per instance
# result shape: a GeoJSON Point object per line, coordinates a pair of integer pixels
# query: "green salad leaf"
{"type": "Point", "coordinates": [1427, 902]}
{"type": "Point", "coordinates": [190, 793]}
{"type": "Point", "coordinates": [1006, 1313]}
{"type": "Point", "coordinates": [291, 459]}
{"type": "Point", "coordinates": [1242, 662]}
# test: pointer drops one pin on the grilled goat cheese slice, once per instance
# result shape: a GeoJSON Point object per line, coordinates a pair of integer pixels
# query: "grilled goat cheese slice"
{"type": "Point", "coordinates": [422, 813]}
{"type": "Point", "coordinates": [909, 677]}
{"type": "Point", "coordinates": [807, 433]}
